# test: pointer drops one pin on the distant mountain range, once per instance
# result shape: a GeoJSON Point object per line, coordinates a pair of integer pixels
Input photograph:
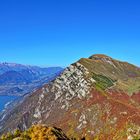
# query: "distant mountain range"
{"type": "Point", "coordinates": [17, 79]}
{"type": "Point", "coordinates": [96, 98]}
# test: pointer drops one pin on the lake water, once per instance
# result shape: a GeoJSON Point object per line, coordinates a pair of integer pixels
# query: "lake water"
{"type": "Point", "coordinates": [5, 100]}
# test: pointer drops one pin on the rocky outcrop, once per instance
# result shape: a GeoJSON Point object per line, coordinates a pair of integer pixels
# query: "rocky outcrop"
{"type": "Point", "coordinates": [74, 82]}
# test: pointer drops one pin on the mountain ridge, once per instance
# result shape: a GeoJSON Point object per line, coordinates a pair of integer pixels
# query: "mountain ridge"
{"type": "Point", "coordinates": [87, 99]}
{"type": "Point", "coordinates": [17, 80]}
{"type": "Point", "coordinates": [106, 56]}
{"type": "Point", "coordinates": [24, 75]}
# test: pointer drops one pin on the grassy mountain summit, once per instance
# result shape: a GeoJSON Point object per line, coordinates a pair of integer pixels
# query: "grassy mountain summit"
{"type": "Point", "coordinates": [96, 98]}
{"type": "Point", "coordinates": [127, 76]}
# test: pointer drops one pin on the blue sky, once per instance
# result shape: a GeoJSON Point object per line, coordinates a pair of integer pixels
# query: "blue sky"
{"type": "Point", "coordinates": [59, 32]}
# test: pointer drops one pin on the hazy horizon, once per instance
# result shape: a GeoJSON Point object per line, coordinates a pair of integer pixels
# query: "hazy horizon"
{"type": "Point", "coordinates": [61, 65]}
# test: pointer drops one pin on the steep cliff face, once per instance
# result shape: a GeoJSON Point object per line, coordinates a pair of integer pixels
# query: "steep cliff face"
{"type": "Point", "coordinates": [90, 98]}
